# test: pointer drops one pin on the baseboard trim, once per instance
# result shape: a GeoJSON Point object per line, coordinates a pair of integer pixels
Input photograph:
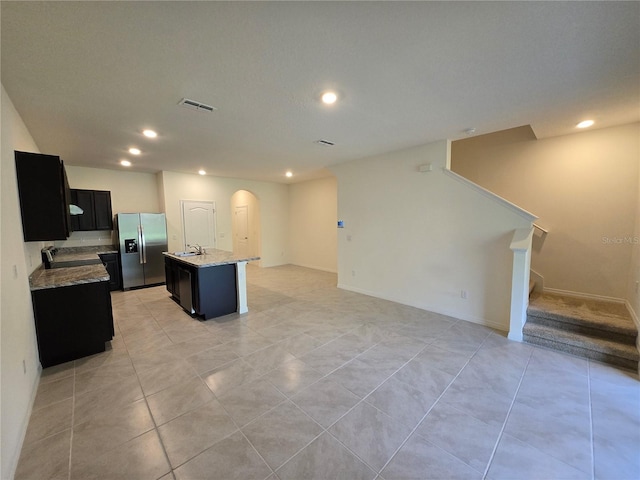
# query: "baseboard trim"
{"type": "Point", "coordinates": [429, 308]}
{"type": "Point", "coordinates": [313, 267]}
{"type": "Point", "coordinates": [32, 401]}
{"type": "Point", "coordinates": [633, 314]}
{"type": "Point", "coordinates": [587, 296]}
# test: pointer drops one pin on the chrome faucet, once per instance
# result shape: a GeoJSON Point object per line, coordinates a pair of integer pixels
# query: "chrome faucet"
{"type": "Point", "coordinates": [199, 250]}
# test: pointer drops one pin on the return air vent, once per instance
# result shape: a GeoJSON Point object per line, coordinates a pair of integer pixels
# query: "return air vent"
{"type": "Point", "coordinates": [325, 143]}
{"type": "Point", "coordinates": [193, 105]}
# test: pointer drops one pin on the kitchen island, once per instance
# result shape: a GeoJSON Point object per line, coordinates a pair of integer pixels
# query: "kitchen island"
{"type": "Point", "coordinates": [210, 285]}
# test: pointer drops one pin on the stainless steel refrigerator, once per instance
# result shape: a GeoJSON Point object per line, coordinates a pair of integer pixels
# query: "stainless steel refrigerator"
{"type": "Point", "coordinates": [142, 237]}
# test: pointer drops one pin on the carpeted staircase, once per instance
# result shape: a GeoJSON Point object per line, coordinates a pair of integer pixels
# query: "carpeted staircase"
{"type": "Point", "coordinates": [599, 330]}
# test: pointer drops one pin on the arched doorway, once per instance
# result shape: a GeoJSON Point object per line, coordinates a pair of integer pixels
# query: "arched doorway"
{"type": "Point", "coordinates": [246, 231]}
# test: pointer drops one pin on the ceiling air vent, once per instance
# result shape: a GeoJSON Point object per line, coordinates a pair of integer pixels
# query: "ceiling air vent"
{"type": "Point", "coordinates": [325, 143]}
{"type": "Point", "coordinates": [193, 105]}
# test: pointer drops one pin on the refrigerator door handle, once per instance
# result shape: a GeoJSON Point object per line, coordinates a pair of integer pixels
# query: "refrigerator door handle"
{"type": "Point", "coordinates": [144, 245]}
{"type": "Point", "coordinates": [140, 244]}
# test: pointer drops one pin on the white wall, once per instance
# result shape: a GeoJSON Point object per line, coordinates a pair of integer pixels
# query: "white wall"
{"type": "Point", "coordinates": [422, 238]}
{"type": "Point", "coordinates": [313, 210]}
{"type": "Point", "coordinates": [273, 198]}
{"type": "Point", "coordinates": [17, 330]}
{"type": "Point", "coordinates": [584, 188]}
{"type": "Point", "coordinates": [247, 199]}
{"type": "Point", "coordinates": [633, 288]}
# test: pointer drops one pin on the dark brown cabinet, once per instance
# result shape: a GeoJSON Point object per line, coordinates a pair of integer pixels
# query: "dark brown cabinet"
{"type": "Point", "coordinates": [172, 276]}
{"type": "Point", "coordinates": [112, 264]}
{"type": "Point", "coordinates": [44, 196]}
{"type": "Point", "coordinates": [96, 206]}
{"type": "Point", "coordinates": [72, 322]}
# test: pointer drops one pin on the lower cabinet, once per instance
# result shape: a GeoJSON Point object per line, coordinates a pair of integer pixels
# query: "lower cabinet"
{"type": "Point", "coordinates": [209, 291]}
{"type": "Point", "coordinates": [72, 322]}
{"type": "Point", "coordinates": [112, 264]}
{"type": "Point", "coordinates": [172, 278]}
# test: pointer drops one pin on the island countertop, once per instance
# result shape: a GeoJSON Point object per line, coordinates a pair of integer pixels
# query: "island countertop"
{"type": "Point", "coordinates": [213, 257]}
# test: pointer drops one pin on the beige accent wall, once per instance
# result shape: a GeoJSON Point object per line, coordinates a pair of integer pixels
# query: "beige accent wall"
{"type": "Point", "coordinates": [274, 208]}
{"type": "Point", "coordinates": [423, 238]}
{"type": "Point", "coordinates": [313, 210]}
{"type": "Point", "coordinates": [18, 345]}
{"type": "Point", "coordinates": [130, 192]}
{"type": "Point", "coordinates": [584, 189]}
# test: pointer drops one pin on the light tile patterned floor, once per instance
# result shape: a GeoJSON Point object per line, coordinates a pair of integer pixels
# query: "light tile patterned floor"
{"type": "Point", "coordinates": [320, 383]}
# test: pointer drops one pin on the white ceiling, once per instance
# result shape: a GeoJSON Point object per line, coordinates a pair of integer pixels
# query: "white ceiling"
{"type": "Point", "coordinates": [87, 77]}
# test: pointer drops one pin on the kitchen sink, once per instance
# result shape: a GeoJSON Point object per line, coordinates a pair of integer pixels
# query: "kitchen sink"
{"type": "Point", "coordinates": [185, 254]}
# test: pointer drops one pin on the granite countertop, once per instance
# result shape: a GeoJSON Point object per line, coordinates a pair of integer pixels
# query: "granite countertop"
{"type": "Point", "coordinates": [68, 256]}
{"type": "Point", "coordinates": [43, 278]}
{"type": "Point", "coordinates": [211, 258]}
{"type": "Point", "coordinates": [72, 266]}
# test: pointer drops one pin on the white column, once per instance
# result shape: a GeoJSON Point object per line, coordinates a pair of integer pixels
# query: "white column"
{"type": "Point", "coordinates": [241, 279]}
{"type": "Point", "coordinates": [521, 247]}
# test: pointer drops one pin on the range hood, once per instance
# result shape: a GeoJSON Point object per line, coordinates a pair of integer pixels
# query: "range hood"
{"type": "Point", "coordinates": [75, 210]}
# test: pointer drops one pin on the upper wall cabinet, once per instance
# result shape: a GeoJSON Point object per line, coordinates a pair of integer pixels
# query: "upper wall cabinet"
{"type": "Point", "coordinates": [96, 205]}
{"type": "Point", "coordinates": [44, 196]}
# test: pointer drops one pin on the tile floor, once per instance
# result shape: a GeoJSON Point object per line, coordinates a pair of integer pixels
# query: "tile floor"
{"type": "Point", "coordinates": [320, 383]}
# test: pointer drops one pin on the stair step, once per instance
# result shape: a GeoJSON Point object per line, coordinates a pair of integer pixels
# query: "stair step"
{"type": "Point", "coordinates": [599, 349]}
{"type": "Point", "coordinates": [579, 328]}
{"type": "Point", "coordinates": [594, 315]}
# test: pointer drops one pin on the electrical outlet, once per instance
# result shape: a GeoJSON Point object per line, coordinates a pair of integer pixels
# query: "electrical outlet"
{"type": "Point", "coordinates": [24, 366]}
{"type": "Point", "coordinates": [15, 271]}
{"type": "Point", "coordinates": [463, 294]}
{"type": "Point", "coordinates": [353, 273]}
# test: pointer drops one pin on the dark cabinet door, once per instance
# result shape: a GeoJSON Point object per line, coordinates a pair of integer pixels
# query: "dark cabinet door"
{"type": "Point", "coordinates": [96, 206]}
{"type": "Point", "coordinates": [86, 220]}
{"type": "Point", "coordinates": [102, 206]}
{"type": "Point", "coordinates": [43, 196]}
{"type": "Point", "coordinates": [111, 263]}
{"type": "Point", "coordinates": [171, 274]}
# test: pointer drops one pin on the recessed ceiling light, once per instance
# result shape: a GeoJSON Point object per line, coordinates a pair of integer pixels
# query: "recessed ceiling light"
{"type": "Point", "coordinates": [470, 131]}
{"type": "Point", "coordinates": [289, 174]}
{"type": "Point", "coordinates": [134, 151]}
{"type": "Point", "coordinates": [585, 124]}
{"type": "Point", "coordinates": [202, 172]}
{"type": "Point", "coordinates": [125, 163]}
{"type": "Point", "coordinates": [149, 133]}
{"type": "Point", "coordinates": [329, 98]}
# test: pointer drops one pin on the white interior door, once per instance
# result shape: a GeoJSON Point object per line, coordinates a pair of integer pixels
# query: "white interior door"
{"type": "Point", "coordinates": [242, 230]}
{"type": "Point", "coordinates": [199, 223]}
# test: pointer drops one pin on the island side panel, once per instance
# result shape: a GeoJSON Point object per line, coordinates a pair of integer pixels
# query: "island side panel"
{"type": "Point", "coordinates": [216, 291]}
